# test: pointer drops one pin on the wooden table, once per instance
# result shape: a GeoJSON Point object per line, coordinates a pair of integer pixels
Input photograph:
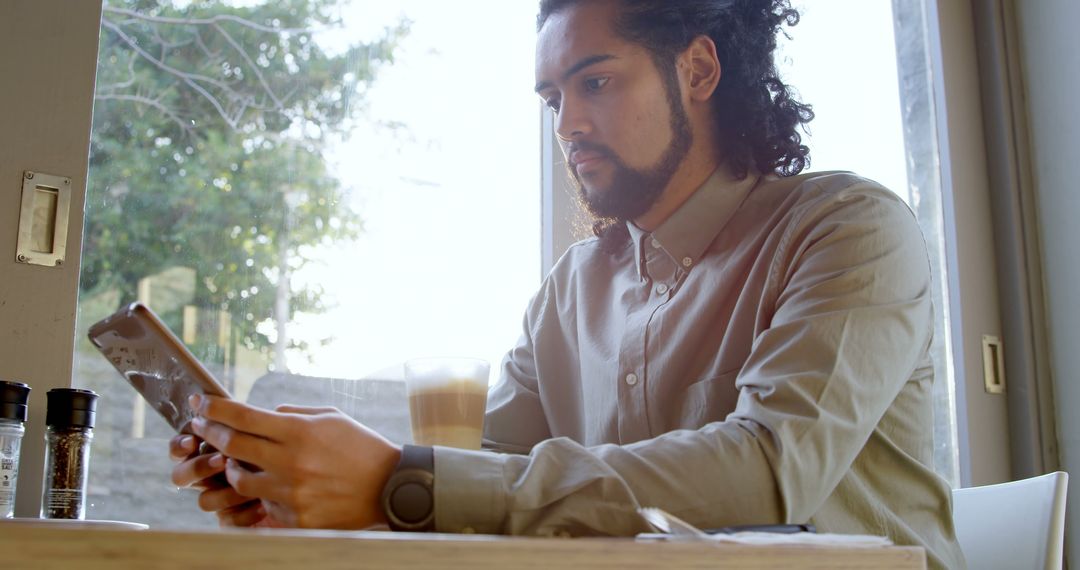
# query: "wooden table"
{"type": "Point", "coordinates": [29, 548]}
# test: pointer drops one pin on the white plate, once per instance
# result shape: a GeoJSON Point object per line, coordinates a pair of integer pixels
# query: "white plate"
{"type": "Point", "coordinates": [75, 523]}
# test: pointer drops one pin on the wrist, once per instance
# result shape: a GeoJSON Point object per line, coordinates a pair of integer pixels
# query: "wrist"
{"type": "Point", "coordinates": [389, 464]}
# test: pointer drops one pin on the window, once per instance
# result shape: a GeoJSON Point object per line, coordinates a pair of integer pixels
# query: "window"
{"type": "Point", "coordinates": [309, 193]}
{"type": "Point", "coordinates": [312, 192]}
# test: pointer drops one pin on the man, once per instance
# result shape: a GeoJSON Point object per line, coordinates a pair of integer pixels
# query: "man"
{"type": "Point", "coordinates": [737, 345]}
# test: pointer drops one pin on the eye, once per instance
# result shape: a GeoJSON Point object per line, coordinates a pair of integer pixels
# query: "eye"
{"type": "Point", "coordinates": [596, 83]}
{"type": "Point", "coordinates": [552, 104]}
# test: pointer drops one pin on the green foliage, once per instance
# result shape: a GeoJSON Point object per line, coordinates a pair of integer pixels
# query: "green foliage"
{"type": "Point", "coordinates": [210, 122]}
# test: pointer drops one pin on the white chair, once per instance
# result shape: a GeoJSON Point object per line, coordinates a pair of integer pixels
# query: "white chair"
{"type": "Point", "coordinates": [1020, 524]}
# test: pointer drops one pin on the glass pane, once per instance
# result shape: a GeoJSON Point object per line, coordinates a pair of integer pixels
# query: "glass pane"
{"type": "Point", "coordinates": [308, 192]}
{"type": "Point", "coordinates": [863, 65]}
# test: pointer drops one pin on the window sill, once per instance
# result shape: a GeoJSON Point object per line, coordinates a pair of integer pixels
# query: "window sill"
{"type": "Point", "coordinates": [37, 547]}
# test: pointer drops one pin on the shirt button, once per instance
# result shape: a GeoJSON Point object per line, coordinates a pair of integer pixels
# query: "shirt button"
{"type": "Point", "coordinates": [631, 379]}
{"type": "Point", "coordinates": [655, 243]}
{"type": "Point", "coordinates": [687, 262]}
{"type": "Point", "coordinates": [661, 289]}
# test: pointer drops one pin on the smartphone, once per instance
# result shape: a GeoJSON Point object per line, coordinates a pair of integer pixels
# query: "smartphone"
{"type": "Point", "coordinates": [773, 528]}
{"type": "Point", "coordinates": [154, 361]}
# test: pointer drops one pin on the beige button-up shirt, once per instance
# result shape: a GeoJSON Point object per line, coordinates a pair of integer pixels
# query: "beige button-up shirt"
{"type": "Point", "coordinates": [761, 357]}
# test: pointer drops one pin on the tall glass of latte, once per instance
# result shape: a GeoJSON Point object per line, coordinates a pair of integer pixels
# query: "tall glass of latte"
{"type": "Point", "coordinates": [447, 397]}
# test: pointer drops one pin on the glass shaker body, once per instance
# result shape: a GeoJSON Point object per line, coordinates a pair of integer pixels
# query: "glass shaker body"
{"type": "Point", "coordinates": [11, 434]}
{"type": "Point", "coordinates": [13, 398]}
{"type": "Point", "coordinates": [67, 466]}
{"type": "Point", "coordinates": [69, 431]}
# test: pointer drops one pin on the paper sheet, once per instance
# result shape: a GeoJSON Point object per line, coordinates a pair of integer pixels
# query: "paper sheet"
{"type": "Point", "coordinates": [778, 539]}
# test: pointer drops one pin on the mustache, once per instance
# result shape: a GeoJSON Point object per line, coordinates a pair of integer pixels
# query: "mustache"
{"type": "Point", "coordinates": [597, 148]}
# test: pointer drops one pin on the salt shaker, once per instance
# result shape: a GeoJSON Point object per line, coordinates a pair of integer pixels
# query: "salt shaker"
{"type": "Point", "coordinates": [13, 396]}
{"type": "Point", "coordinates": [69, 430]}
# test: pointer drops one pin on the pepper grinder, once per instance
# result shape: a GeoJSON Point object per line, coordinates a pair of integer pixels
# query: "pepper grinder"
{"type": "Point", "coordinates": [69, 430]}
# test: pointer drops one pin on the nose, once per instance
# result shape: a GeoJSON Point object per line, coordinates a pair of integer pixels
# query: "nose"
{"type": "Point", "coordinates": [572, 122]}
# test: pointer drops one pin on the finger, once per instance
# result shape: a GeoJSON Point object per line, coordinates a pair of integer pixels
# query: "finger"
{"type": "Point", "coordinates": [240, 416]}
{"type": "Point", "coordinates": [233, 443]}
{"type": "Point", "coordinates": [306, 410]}
{"type": "Point", "coordinates": [277, 515]}
{"type": "Point", "coordinates": [247, 514]}
{"type": "Point", "coordinates": [182, 447]}
{"type": "Point", "coordinates": [197, 470]}
{"type": "Point", "coordinates": [262, 484]}
{"type": "Point", "coordinates": [220, 499]}
{"type": "Point", "coordinates": [272, 520]}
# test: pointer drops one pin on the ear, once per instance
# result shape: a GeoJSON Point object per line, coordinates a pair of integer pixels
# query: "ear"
{"type": "Point", "coordinates": [700, 69]}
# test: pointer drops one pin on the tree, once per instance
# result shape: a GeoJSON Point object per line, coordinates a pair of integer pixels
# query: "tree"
{"type": "Point", "coordinates": [210, 123]}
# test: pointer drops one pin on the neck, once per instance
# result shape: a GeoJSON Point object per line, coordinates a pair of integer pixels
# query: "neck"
{"type": "Point", "coordinates": [692, 173]}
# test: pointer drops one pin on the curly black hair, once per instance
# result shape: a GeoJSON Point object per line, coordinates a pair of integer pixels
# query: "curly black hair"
{"type": "Point", "coordinates": [756, 114]}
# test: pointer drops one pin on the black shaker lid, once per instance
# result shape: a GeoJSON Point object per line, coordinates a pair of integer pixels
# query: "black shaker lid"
{"type": "Point", "coordinates": [71, 407]}
{"type": "Point", "coordinates": [13, 397]}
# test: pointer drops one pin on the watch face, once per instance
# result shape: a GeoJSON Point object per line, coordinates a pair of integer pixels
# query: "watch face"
{"type": "Point", "coordinates": [409, 500]}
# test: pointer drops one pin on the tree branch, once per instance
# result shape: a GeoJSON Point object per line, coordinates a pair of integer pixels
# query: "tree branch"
{"type": "Point", "coordinates": [190, 79]}
{"type": "Point", "coordinates": [231, 104]}
{"type": "Point", "coordinates": [128, 83]}
{"type": "Point", "coordinates": [186, 128]}
{"type": "Point", "coordinates": [258, 74]}
{"type": "Point", "coordinates": [204, 21]}
{"type": "Point", "coordinates": [202, 45]}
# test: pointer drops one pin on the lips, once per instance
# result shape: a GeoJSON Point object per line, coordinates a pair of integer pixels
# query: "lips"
{"type": "Point", "coordinates": [582, 159]}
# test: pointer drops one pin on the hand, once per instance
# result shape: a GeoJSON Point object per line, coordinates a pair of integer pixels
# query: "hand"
{"type": "Point", "coordinates": [312, 467]}
{"type": "Point", "coordinates": [204, 471]}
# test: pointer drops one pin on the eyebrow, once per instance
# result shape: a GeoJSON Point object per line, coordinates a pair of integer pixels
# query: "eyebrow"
{"type": "Point", "coordinates": [582, 64]}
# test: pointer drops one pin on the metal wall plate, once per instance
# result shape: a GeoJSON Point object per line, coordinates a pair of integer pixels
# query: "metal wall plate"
{"type": "Point", "coordinates": [993, 364]}
{"type": "Point", "coordinates": [43, 219]}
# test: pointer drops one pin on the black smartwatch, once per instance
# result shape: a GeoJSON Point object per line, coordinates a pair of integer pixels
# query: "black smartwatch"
{"type": "Point", "coordinates": [409, 496]}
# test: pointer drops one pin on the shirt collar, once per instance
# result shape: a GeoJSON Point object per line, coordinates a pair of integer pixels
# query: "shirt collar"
{"type": "Point", "coordinates": [687, 233]}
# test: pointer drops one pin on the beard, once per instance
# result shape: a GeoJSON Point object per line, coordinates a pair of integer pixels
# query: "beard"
{"type": "Point", "coordinates": [633, 191]}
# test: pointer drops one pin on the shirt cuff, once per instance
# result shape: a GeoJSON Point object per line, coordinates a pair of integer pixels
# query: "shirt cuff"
{"type": "Point", "coordinates": [469, 492]}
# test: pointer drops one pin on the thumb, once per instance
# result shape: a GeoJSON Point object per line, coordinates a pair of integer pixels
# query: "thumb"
{"type": "Point", "coordinates": [306, 410]}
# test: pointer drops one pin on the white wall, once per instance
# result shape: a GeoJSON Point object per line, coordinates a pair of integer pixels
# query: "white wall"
{"type": "Point", "coordinates": [1051, 59]}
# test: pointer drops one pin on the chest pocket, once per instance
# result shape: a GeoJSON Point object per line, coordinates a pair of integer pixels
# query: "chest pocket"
{"type": "Point", "coordinates": [705, 401]}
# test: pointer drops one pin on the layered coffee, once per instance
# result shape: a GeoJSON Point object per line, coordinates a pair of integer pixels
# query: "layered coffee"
{"type": "Point", "coordinates": [448, 413]}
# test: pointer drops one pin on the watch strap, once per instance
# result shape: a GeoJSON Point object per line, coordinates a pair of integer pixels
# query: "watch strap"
{"type": "Point", "coordinates": [418, 457]}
